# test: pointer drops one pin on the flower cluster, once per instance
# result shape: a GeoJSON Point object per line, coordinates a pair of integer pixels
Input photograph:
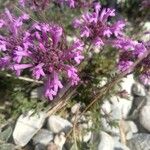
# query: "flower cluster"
{"type": "Point", "coordinates": [129, 52]}
{"type": "Point", "coordinates": [96, 27]}
{"type": "Point", "coordinates": [145, 3]}
{"type": "Point", "coordinates": [14, 38]}
{"type": "Point", "coordinates": [42, 50]}
{"type": "Point", "coordinates": [145, 73]}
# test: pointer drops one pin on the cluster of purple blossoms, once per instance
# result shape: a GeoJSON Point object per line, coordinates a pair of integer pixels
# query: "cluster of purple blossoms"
{"type": "Point", "coordinates": [145, 65]}
{"type": "Point", "coordinates": [145, 3]}
{"type": "Point", "coordinates": [41, 49]}
{"type": "Point", "coordinates": [96, 27]}
{"type": "Point", "coordinates": [13, 37]}
{"type": "Point", "coordinates": [129, 52]}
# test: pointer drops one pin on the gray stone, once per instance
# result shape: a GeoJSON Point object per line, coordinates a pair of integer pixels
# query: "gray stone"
{"type": "Point", "coordinates": [84, 132]}
{"type": "Point", "coordinates": [110, 129]}
{"type": "Point", "coordinates": [57, 124]}
{"type": "Point", "coordinates": [106, 107]}
{"type": "Point", "coordinates": [115, 108]}
{"type": "Point", "coordinates": [52, 146]}
{"type": "Point", "coordinates": [60, 140]}
{"type": "Point", "coordinates": [144, 117]}
{"type": "Point", "coordinates": [130, 129]}
{"type": "Point", "coordinates": [27, 126]}
{"type": "Point", "coordinates": [139, 141]}
{"type": "Point", "coordinates": [120, 146]}
{"type": "Point", "coordinates": [120, 107]}
{"type": "Point", "coordinates": [40, 147]}
{"type": "Point", "coordinates": [138, 89]}
{"type": "Point", "coordinates": [127, 83]}
{"type": "Point", "coordinates": [43, 137]}
{"type": "Point", "coordinates": [106, 142]}
{"type": "Point", "coordinates": [76, 108]}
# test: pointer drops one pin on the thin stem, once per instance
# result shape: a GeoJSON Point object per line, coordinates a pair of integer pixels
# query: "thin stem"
{"type": "Point", "coordinates": [24, 79]}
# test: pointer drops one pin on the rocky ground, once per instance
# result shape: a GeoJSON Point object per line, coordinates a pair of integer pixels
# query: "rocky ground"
{"type": "Point", "coordinates": [43, 132]}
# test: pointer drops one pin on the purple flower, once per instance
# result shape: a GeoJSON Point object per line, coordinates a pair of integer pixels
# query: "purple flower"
{"type": "Point", "coordinates": [14, 42]}
{"type": "Point", "coordinates": [124, 65]}
{"type": "Point", "coordinates": [124, 44]}
{"type": "Point", "coordinates": [145, 77]}
{"type": "Point", "coordinates": [72, 75]}
{"type": "Point", "coordinates": [145, 3]}
{"type": "Point", "coordinates": [2, 22]}
{"type": "Point", "coordinates": [140, 49]}
{"type": "Point", "coordinates": [129, 52]}
{"type": "Point", "coordinates": [41, 49]}
{"type": "Point", "coordinates": [51, 58]}
{"type": "Point", "coordinates": [95, 27]}
{"type": "Point", "coordinates": [38, 72]}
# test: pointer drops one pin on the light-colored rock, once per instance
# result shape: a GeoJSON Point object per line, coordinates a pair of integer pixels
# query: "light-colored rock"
{"type": "Point", "coordinates": [116, 108]}
{"type": "Point", "coordinates": [76, 108]}
{"type": "Point", "coordinates": [52, 146]}
{"type": "Point", "coordinates": [107, 128]}
{"type": "Point", "coordinates": [106, 107]}
{"type": "Point", "coordinates": [120, 146]}
{"type": "Point", "coordinates": [40, 147]}
{"type": "Point", "coordinates": [138, 89]}
{"type": "Point", "coordinates": [60, 140]}
{"type": "Point", "coordinates": [43, 137]}
{"type": "Point", "coordinates": [27, 126]}
{"type": "Point", "coordinates": [110, 143]}
{"type": "Point", "coordinates": [128, 127]}
{"type": "Point", "coordinates": [131, 128]}
{"type": "Point", "coordinates": [139, 141]}
{"type": "Point", "coordinates": [106, 142]}
{"type": "Point", "coordinates": [87, 136]}
{"type": "Point", "coordinates": [144, 117]}
{"type": "Point", "coordinates": [127, 83]}
{"type": "Point", "coordinates": [57, 124]}
{"type": "Point", "coordinates": [84, 132]}
{"type": "Point", "coordinates": [120, 107]}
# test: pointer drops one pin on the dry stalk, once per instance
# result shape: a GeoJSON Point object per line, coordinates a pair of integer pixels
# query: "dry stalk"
{"type": "Point", "coordinates": [74, 129]}
{"type": "Point", "coordinates": [122, 131]}
{"type": "Point", "coordinates": [24, 79]}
